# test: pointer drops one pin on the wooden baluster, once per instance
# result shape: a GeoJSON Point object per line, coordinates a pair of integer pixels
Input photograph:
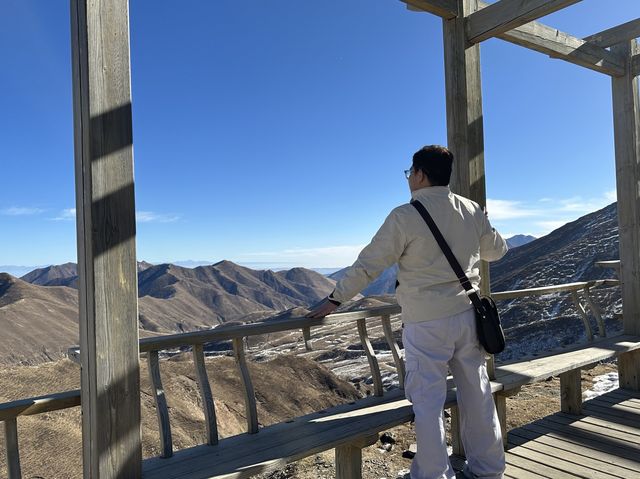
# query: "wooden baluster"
{"type": "Point", "coordinates": [571, 392]}
{"type": "Point", "coordinates": [583, 315]}
{"type": "Point", "coordinates": [249, 393]}
{"type": "Point", "coordinates": [373, 361]}
{"type": "Point", "coordinates": [596, 312]}
{"type": "Point", "coordinates": [13, 453]}
{"type": "Point", "coordinates": [306, 334]}
{"type": "Point", "coordinates": [205, 393]}
{"type": "Point", "coordinates": [395, 349]}
{"type": "Point", "coordinates": [161, 404]}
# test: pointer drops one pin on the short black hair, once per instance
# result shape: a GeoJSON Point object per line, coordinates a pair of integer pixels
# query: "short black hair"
{"type": "Point", "coordinates": [436, 162]}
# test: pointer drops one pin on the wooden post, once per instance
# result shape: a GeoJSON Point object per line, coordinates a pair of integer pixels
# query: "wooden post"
{"type": "Point", "coordinates": [626, 122]}
{"type": "Point", "coordinates": [348, 457]}
{"type": "Point", "coordinates": [571, 392]}
{"type": "Point", "coordinates": [456, 437]}
{"type": "Point", "coordinates": [13, 451]}
{"type": "Point", "coordinates": [501, 409]}
{"type": "Point", "coordinates": [106, 239]}
{"type": "Point", "coordinates": [465, 131]}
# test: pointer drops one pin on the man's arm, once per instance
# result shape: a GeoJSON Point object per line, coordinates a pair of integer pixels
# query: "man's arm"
{"type": "Point", "coordinates": [385, 249]}
{"type": "Point", "coordinates": [492, 245]}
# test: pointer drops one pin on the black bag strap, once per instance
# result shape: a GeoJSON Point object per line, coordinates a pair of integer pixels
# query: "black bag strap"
{"type": "Point", "coordinates": [457, 269]}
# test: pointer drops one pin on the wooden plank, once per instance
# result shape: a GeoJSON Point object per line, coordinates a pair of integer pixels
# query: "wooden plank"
{"type": "Point", "coordinates": [517, 374]}
{"type": "Point", "coordinates": [395, 349]}
{"type": "Point", "coordinates": [515, 472]}
{"type": "Point", "coordinates": [443, 8]}
{"type": "Point", "coordinates": [596, 465]}
{"type": "Point", "coordinates": [626, 125]}
{"type": "Point", "coordinates": [609, 422]}
{"type": "Point", "coordinates": [618, 34]}
{"type": "Point", "coordinates": [13, 451]}
{"type": "Point", "coordinates": [251, 408]}
{"type": "Point", "coordinates": [614, 413]}
{"type": "Point", "coordinates": [162, 410]}
{"type": "Point", "coordinates": [371, 358]}
{"type": "Point", "coordinates": [106, 231]}
{"type": "Point", "coordinates": [40, 404]}
{"type": "Point", "coordinates": [608, 432]}
{"type": "Point", "coordinates": [206, 396]}
{"type": "Point", "coordinates": [582, 438]}
{"type": "Point", "coordinates": [559, 288]}
{"type": "Point", "coordinates": [577, 446]}
{"type": "Point", "coordinates": [505, 15]}
{"type": "Point", "coordinates": [531, 465]}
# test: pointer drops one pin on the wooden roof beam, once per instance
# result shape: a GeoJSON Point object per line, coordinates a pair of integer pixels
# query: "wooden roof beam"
{"type": "Point", "coordinates": [544, 39]}
{"type": "Point", "coordinates": [506, 15]}
{"type": "Point", "coordinates": [541, 38]}
{"type": "Point", "coordinates": [615, 35]}
{"type": "Point", "coordinates": [446, 9]}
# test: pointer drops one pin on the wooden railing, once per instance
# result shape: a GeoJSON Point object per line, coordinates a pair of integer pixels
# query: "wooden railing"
{"type": "Point", "coordinates": [238, 334]}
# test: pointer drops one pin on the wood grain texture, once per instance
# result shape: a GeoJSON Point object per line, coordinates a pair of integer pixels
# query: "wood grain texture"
{"type": "Point", "coordinates": [501, 410]}
{"type": "Point", "coordinates": [374, 367]}
{"type": "Point", "coordinates": [40, 404]}
{"type": "Point", "coordinates": [12, 448]}
{"type": "Point", "coordinates": [571, 392]}
{"type": "Point", "coordinates": [107, 269]}
{"type": "Point", "coordinates": [505, 15]}
{"type": "Point", "coordinates": [348, 459]}
{"type": "Point", "coordinates": [456, 432]}
{"type": "Point", "coordinates": [618, 34]}
{"type": "Point", "coordinates": [443, 8]}
{"type": "Point", "coordinates": [395, 350]}
{"type": "Point", "coordinates": [527, 372]}
{"type": "Point", "coordinates": [162, 410]}
{"type": "Point", "coordinates": [635, 65]}
{"type": "Point", "coordinates": [206, 396]}
{"type": "Point", "coordinates": [629, 370]}
{"type": "Point", "coordinates": [251, 409]}
{"type": "Point", "coordinates": [626, 126]}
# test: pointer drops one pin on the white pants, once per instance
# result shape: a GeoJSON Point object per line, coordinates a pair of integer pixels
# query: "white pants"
{"type": "Point", "coordinates": [432, 348]}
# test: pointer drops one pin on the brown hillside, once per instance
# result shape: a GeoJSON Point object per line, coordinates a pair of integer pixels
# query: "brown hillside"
{"type": "Point", "coordinates": [51, 443]}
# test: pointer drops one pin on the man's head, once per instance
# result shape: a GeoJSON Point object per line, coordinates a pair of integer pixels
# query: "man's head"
{"type": "Point", "coordinates": [431, 167]}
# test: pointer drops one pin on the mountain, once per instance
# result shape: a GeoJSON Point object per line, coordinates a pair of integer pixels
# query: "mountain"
{"type": "Point", "coordinates": [54, 275]}
{"type": "Point", "coordinates": [37, 323]}
{"type": "Point", "coordinates": [566, 255]}
{"type": "Point", "coordinates": [183, 298]}
{"type": "Point", "coordinates": [63, 275]}
{"type": "Point", "coordinates": [519, 240]}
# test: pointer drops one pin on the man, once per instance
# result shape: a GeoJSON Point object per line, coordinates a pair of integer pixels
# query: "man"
{"type": "Point", "coordinates": [439, 331]}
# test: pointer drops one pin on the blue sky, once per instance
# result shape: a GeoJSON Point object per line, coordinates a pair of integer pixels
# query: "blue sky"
{"type": "Point", "coordinates": [275, 133]}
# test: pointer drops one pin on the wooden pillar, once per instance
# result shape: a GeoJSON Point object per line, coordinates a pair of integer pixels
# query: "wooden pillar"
{"type": "Point", "coordinates": [464, 113]}
{"type": "Point", "coordinates": [626, 122]}
{"type": "Point", "coordinates": [106, 239]}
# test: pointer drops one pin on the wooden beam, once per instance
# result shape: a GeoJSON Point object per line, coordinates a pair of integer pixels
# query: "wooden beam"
{"type": "Point", "coordinates": [443, 8]}
{"type": "Point", "coordinates": [626, 126]}
{"type": "Point", "coordinates": [550, 41]}
{"type": "Point", "coordinates": [110, 377]}
{"type": "Point", "coordinates": [506, 15]}
{"type": "Point", "coordinates": [621, 33]}
{"type": "Point", "coordinates": [544, 39]}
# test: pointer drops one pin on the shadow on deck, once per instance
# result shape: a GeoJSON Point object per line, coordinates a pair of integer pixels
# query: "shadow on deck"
{"type": "Point", "coordinates": [602, 442]}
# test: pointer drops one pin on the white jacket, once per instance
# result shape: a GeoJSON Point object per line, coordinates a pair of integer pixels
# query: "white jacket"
{"type": "Point", "coordinates": [428, 287]}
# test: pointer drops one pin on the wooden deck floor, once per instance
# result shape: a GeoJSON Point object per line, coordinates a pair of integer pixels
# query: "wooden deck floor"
{"type": "Point", "coordinates": [603, 442]}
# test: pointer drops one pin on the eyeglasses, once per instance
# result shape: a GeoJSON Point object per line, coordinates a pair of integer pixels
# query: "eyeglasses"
{"type": "Point", "coordinates": [407, 173]}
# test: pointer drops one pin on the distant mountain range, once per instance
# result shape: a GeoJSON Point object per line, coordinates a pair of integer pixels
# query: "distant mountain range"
{"type": "Point", "coordinates": [175, 298]}
{"type": "Point", "coordinates": [171, 299]}
{"type": "Point", "coordinates": [519, 240]}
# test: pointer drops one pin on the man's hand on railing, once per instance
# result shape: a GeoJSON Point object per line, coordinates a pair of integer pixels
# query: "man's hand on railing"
{"type": "Point", "coordinates": [322, 309]}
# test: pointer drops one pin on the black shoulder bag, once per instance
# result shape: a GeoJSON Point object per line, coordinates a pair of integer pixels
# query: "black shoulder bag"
{"type": "Point", "coordinates": [490, 333]}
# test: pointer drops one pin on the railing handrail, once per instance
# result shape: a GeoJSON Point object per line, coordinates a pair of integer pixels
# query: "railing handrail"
{"type": "Point", "coordinates": [39, 405]}
{"type": "Point", "coordinates": [560, 288]}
